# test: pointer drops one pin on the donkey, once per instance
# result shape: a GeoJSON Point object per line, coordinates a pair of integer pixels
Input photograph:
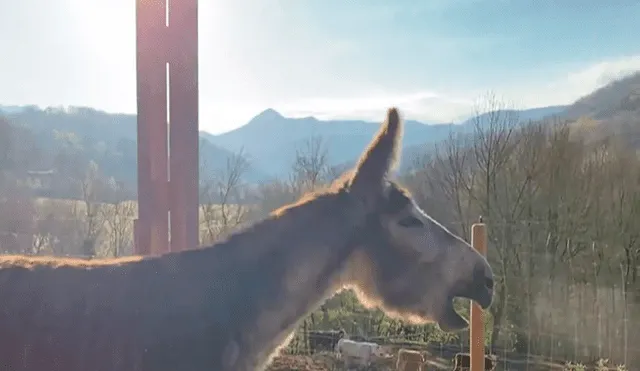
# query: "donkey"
{"type": "Point", "coordinates": [232, 305]}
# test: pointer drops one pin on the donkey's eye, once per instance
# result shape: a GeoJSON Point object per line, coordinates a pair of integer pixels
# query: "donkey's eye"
{"type": "Point", "coordinates": [410, 222]}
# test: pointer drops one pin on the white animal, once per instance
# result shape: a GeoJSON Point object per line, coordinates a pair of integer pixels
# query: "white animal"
{"type": "Point", "coordinates": [359, 353]}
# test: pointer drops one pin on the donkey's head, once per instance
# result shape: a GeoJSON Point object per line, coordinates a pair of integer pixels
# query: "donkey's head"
{"type": "Point", "coordinates": [405, 261]}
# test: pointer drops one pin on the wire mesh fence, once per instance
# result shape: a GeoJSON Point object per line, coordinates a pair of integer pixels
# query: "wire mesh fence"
{"type": "Point", "coordinates": [528, 348]}
{"type": "Point", "coordinates": [561, 299]}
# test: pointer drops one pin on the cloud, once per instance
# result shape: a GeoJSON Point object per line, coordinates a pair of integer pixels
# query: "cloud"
{"type": "Point", "coordinates": [568, 88]}
{"type": "Point", "coordinates": [436, 107]}
{"type": "Point", "coordinates": [600, 74]}
{"type": "Point", "coordinates": [424, 106]}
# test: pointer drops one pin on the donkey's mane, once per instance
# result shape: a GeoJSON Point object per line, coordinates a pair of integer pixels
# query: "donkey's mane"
{"type": "Point", "coordinates": [32, 262]}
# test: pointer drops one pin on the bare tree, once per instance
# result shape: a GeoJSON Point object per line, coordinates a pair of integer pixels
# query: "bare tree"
{"type": "Point", "coordinates": [17, 221]}
{"type": "Point", "coordinates": [90, 190]}
{"type": "Point", "coordinates": [222, 206]}
{"type": "Point", "coordinates": [118, 217]}
{"type": "Point", "coordinates": [335, 171]}
{"type": "Point", "coordinates": [6, 144]}
{"type": "Point", "coordinates": [311, 165]}
{"type": "Point", "coordinates": [44, 237]}
{"type": "Point", "coordinates": [272, 195]}
{"type": "Point", "coordinates": [310, 170]}
{"type": "Point", "coordinates": [440, 180]}
{"type": "Point", "coordinates": [60, 227]}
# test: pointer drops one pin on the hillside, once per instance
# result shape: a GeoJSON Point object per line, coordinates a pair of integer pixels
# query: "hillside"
{"type": "Point", "coordinates": [616, 97]}
{"type": "Point", "coordinates": [108, 139]}
{"type": "Point", "coordinates": [614, 110]}
{"type": "Point", "coordinates": [272, 139]}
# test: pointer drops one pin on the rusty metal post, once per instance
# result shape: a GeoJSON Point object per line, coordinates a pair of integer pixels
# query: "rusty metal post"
{"type": "Point", "coordinates": [183, 123]}
{"type": "Point", "coordinates": [167, 146]}
{"type": "Point", "coordinates": [476, 327]}
{"type": "Point", "coordinates": [152, 224]}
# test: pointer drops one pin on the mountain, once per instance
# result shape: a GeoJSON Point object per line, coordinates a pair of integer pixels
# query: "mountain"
{"type": "Point", "coordinates": [108, 139]}
{"type": "Point", "coordinates": [532, 114]}
{"type": "Point", "coordinates": [613, 111]}
{"type": "Point", "coordinates": [13, 109]}
{"type": "Point", "coordinates": [618, 96]}
{"type": "Point", "coordinates": [272, 139]}
{"type": "Point", "coordinates": [269, 139]}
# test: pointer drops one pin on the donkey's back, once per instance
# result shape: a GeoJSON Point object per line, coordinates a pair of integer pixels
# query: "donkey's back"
{"type": "Point", "coordinates": [124, 314]}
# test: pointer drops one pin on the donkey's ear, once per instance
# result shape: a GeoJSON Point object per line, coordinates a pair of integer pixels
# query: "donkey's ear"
{"type": "Point", "coordinates": [378, 159]}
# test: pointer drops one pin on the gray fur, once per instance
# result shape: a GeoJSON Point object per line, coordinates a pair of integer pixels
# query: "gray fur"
{"type": "Point", "coordinates": [232, 305]}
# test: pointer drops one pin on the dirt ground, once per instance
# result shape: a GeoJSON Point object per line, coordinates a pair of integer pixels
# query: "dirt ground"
{"type": "Point", "coordinates": [302, 363]}
{"type": "Point", "coordinates": [327, 362]}
{"type": "Point", "coordinates": [322, 361]}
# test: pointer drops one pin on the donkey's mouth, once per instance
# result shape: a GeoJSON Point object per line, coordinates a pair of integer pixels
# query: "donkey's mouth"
{"type": "Point", "coordinates": [450, 320]}
{"type": "Point", "coordinates": [481, 296]}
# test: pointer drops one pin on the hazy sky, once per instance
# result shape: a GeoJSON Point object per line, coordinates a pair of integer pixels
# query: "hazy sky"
{"type": "Point", "coordinates": [329, 58]}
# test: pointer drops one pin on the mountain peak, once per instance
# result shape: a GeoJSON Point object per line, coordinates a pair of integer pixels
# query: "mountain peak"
{"type": "Point", "coordinates": [268, 114]}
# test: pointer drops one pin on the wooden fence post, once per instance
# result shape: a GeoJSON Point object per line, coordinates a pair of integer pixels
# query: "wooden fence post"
{"type": "Point", "coordinates": [476, 327]}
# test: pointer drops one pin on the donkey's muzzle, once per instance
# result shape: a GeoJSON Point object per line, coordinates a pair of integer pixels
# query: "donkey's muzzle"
{"type": "Point", "coordinates": [480, 288]}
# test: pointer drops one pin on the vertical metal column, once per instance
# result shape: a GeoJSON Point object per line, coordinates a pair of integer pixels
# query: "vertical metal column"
{"type": "Point", "coordinates": [183, 123]}
{"type": "Point", "coordinates": [157, 46]}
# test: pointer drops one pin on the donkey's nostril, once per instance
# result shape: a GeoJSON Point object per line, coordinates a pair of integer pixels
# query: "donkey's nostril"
{"type": "Point", "coordinates": [488, 282]}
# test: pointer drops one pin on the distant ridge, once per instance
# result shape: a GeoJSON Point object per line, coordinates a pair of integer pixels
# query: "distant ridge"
{"type": "Point", "coordinates": [271, 139]}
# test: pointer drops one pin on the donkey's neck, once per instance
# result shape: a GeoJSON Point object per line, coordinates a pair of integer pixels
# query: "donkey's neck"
{"type": "Point", "coordinates": [284, 267]}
